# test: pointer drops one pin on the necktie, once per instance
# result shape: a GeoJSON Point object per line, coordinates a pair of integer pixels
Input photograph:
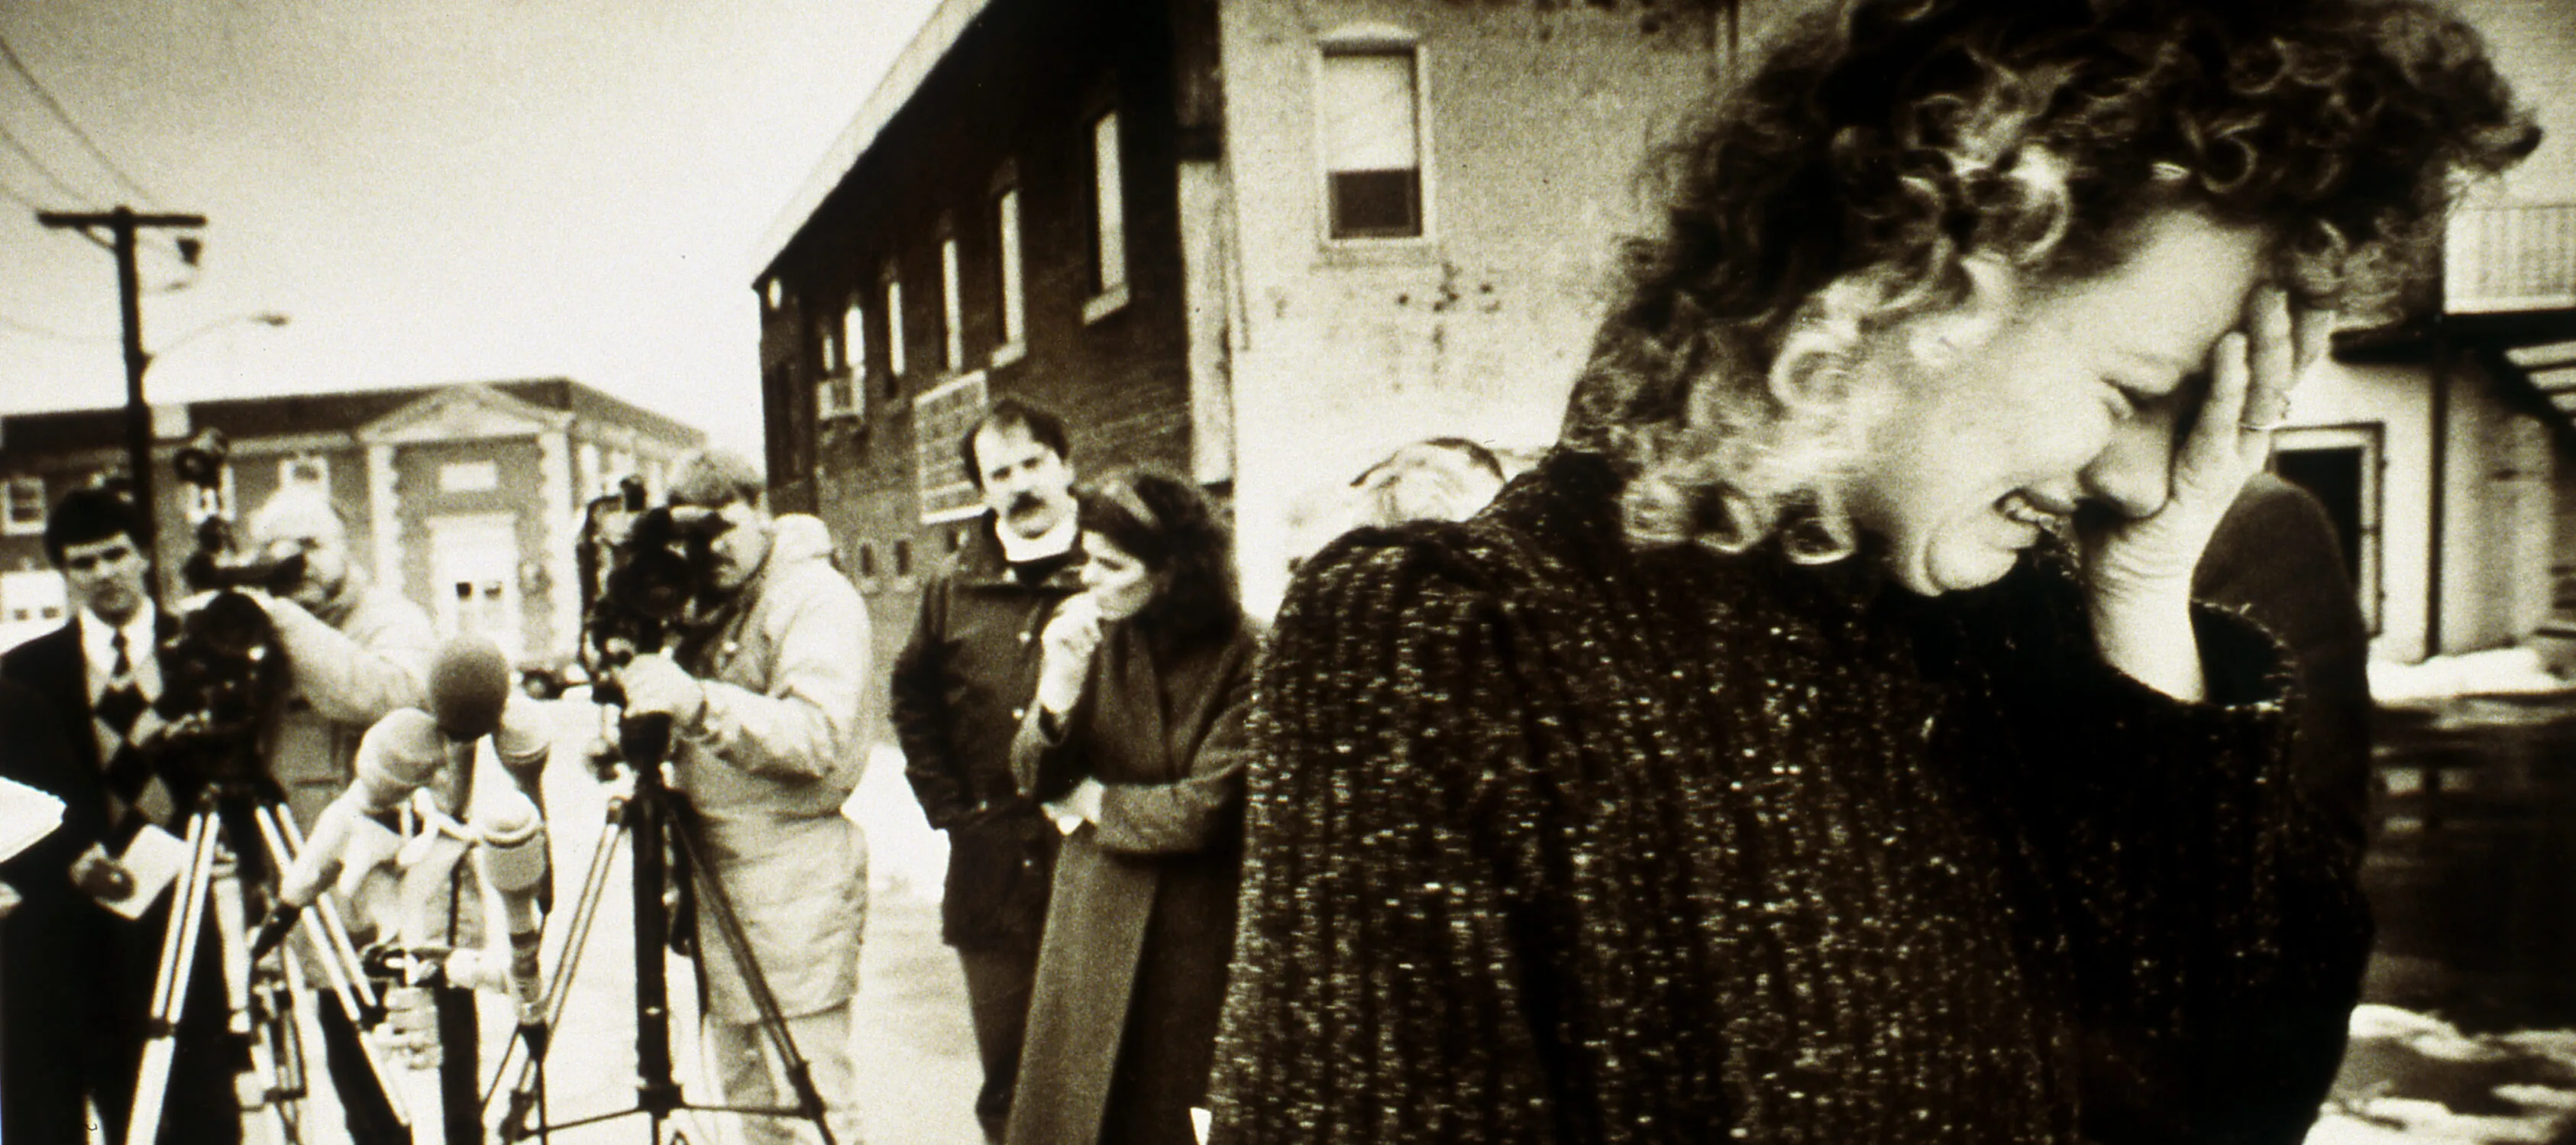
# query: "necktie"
{"type": "Point", "coordinates": [135, 794]}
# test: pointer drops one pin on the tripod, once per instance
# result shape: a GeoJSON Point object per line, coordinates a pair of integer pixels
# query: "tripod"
{"type": "Point", "coordinates": [654, 817]}
{"type": "Point", "coordinates": [211, 884]}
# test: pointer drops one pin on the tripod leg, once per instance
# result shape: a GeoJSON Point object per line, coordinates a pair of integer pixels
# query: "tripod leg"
{"type": "Point", "coordinates": [170, 981]}
{"type": "Point", "coordinates": [716, 904]}
{"type": "Point", "coordinates": [339, 962]}
{"type": "Point", "coordinates": [284, 1043]}
{"type": "Point", "coordinates": [529, 1082]}
{"type": "Point", "coordinates": [245, 1017]}
{"type": "Point", "coordinates": [335, 931]}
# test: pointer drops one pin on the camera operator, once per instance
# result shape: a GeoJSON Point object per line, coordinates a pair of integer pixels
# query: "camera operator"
{"type": "Point", "coordinates": [79, 977]}
{"type": "Point", "coordinates": [769, 743]}
{"type": "Point", "coordinates": [355, 651]}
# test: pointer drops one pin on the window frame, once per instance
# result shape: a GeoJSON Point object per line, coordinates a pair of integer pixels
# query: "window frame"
{"type": "Point", "coordinates": [1108, 205]}
{"type": "Point", "coordinates": [1010, 270]}
{"type": "Point", "coordinates": [1375, 40]}
{"type": "Point", "coordinates": [287, 463]}
{"type": "Point", "coordinates": [839, 391]}
{"type": "Point", "coordinates": [2370, 439]}
{"type": "Point", "coordinates": [24, 485]}
{"type": "Point", "coordinates": [952, 303]}
{"type": "Point", "coordinates": [890, 291]}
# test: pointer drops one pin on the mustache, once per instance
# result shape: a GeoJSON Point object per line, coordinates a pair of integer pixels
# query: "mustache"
{"type": "Point", "coordinates": [1024, 503]}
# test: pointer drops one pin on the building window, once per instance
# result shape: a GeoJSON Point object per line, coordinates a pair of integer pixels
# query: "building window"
{"type": "Point", "coordinates": [1372, 143]}
{"type": "Point", "coordinates": [1108, 208]}
{"type": "Point", "coordinates": [303, 469]}
{"type": "Point", "coordinates": [836, 394]}
{"type": "Point", "coordinates": [903, 558]}
{"type": "Point", "coordinates": [952, 326]}
{"type": "Point", "coordinates": [867, 560]}
{"type": "Point", "coordinates": [894, 332]}
{"type": "Point", "coordinates": [26, 506]}
{"type": "Point", "coordinates": [469, 477]}
{"type": "Point", "coordinates": [1015, 301]}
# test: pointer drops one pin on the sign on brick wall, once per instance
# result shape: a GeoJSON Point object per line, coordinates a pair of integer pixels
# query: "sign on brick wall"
{"type": "Point", "coordinates": [939, 417]}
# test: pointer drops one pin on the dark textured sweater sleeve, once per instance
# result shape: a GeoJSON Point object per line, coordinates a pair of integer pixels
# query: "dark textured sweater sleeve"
{"type": "Point", "coordinates": [2214, 919]}
{"type": "Point", "coordinates": [1375, 995]}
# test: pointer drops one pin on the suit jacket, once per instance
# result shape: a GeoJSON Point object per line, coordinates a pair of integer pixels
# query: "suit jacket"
{"type": "Point", "coordinates": [52, 666]}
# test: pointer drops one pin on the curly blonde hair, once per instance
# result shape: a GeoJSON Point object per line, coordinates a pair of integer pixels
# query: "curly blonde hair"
{"type": "Point", "coordinates": [1858, 182]}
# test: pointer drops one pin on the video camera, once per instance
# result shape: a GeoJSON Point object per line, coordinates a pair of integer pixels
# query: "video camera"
{"type": "Point", "coordinates": [224, 669]}
{"type": "Point", "coordinates": [647, 580]}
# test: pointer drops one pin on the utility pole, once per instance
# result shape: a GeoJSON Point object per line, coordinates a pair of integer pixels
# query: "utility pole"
{"type": "Point", "coordinates": [122, 223]}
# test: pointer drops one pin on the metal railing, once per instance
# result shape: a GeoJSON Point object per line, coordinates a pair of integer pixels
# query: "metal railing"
{"type": "Point", "coordinates": [2506, 257]}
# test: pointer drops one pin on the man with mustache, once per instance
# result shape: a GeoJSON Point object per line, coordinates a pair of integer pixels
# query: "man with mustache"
{"type": "Point", "coordinates": [961, 686]}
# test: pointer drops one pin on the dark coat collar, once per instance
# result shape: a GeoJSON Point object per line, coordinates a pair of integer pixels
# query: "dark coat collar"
{"type": "Point", "coordinates": [982, 565]}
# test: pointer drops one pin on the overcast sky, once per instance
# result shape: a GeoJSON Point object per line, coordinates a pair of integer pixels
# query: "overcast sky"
{"type": "Point", "coordinates": [432, 190]}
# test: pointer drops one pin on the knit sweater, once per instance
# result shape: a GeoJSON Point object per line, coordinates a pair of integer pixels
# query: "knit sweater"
{"type": "Point", "coordinates": [1561, 840]}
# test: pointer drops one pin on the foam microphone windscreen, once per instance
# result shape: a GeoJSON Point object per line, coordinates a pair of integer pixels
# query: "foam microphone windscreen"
{"type": "Point", "coordinates": [469, 683]}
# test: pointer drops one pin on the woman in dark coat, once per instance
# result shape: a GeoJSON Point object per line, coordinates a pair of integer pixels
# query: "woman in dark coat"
{"type": "Point", "coordinates": [1823, 744]}
{"type": "Point", "coordinates": [1138, 744]}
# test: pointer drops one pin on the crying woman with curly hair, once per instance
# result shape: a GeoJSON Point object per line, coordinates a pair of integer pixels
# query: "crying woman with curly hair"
{"type": "Point", "coordinates": [1823, 743]}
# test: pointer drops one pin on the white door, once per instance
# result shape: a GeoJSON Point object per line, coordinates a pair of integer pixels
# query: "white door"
{"type": "Point", "coordinates": [474, 576]}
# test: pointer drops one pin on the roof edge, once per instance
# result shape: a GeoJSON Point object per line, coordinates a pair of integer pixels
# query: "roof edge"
{"type": "Point", "coordinates": [938, 34]}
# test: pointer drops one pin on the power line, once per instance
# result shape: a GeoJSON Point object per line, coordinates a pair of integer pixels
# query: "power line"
{"type": "Point", "coordinates": [11, 193]}
{"type": "Point", "coordinates": [20, 66]}
{"type": "Point", "coordinates": [24, 327]}
{"type": "Point", "coordinates": [50, 175]}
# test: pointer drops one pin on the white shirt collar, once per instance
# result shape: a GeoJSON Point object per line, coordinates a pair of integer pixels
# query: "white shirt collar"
{"type": "Point", "coordinates": [1054, 542]}
{"type": "Point", "coordinates": [98, 649]}
{"type": "Point", "coordinates": [98, 637]}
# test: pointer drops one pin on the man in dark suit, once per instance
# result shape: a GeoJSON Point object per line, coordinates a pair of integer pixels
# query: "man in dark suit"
{"type": "Point", "coordinates": [79, 977]}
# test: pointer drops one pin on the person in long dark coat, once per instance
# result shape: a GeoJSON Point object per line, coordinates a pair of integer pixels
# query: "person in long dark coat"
{"type": "Point", "coordinates": [1137, 742]}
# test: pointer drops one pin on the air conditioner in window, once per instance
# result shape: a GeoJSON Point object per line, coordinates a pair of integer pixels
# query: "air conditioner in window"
{"type": "Point", "coordinates": [838, 395]}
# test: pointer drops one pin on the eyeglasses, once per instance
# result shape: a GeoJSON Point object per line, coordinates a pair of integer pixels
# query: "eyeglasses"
{"type": "Point", "coordinates": [87, 561]}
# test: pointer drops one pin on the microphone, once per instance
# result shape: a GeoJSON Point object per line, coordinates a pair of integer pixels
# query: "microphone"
{"type": "Point", "coordinates": [515, 865]}
{"type": "Point", "coordinates": [399, 755]}
{"type": "Point", "coordinates": [469, 684]}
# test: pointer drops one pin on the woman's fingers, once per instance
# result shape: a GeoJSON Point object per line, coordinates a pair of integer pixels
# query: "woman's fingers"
{"type": "Point", "coordinates": [2273, 356]}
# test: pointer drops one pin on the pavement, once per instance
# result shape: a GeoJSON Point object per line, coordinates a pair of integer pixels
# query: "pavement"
{"type": "Point", "coordinates": [914, 1049]}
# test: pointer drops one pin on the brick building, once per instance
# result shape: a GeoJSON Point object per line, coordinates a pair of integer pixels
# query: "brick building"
{"type": "Point", "coordinates": [467, 497]}
{"type": "Point", "coordinates": [1260, 242]}
{"type": "Point", "coordinates": [1266, 241]}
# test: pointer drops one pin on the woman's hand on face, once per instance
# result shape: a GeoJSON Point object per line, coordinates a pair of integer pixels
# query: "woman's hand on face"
{"type": "Point", "coordinates": [2137, 571]}
{"type": "Point", "coordinates": [1066, 647]}
{"type": "Point", "coordinates": [2252, 371]}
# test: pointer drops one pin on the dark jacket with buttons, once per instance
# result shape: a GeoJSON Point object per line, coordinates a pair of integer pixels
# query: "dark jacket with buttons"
{"type": "Point", "coordinates": [960, 687]}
